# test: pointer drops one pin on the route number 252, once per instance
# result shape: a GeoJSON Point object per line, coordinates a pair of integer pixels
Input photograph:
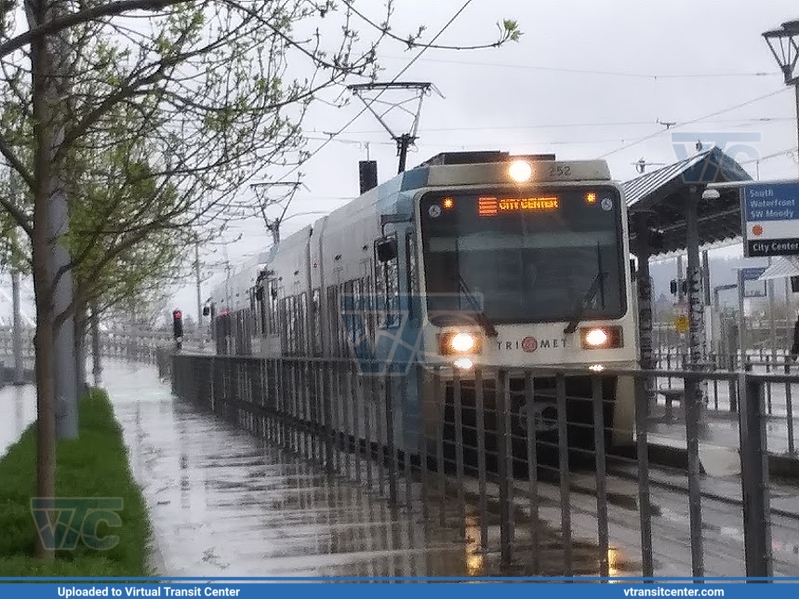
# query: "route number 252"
{"type": "Point", "coordinates": [560, 171]}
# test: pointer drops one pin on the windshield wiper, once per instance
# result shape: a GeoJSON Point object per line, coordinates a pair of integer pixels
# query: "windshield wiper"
{"type": "Point", "coordinates": [589, 295]}
{"type": "Point", "coordinates": [481, 316]}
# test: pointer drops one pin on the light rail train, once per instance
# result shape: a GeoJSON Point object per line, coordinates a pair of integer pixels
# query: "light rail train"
{"type": "Point", "coordinates": [473, 260]}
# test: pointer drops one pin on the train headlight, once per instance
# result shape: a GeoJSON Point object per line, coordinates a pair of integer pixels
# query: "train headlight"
{"type": "Point", "coordinates": [596, 337]}
{"type": "Point", "coordinates": [463, 363]}
{"type": "Point", "coordinates": [459, 342]}
{"type": "Point", "coordinates": [520, 171]}
{"type": "Point", "coordinates": [601, 338]}
{"type": "Point", "coordinates": [462, 342]}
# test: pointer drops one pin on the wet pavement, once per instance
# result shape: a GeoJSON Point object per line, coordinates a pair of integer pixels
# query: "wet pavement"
{"type": "Point", "coordinates": [224, 504]}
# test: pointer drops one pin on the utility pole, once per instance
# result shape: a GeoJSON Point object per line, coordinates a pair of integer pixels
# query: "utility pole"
{"type": "Point", "coordinates": [199, 288]}
{"type": "Point", "coordinates": [404, 140]}
{"type": "Point", "coordinates": [273, 225]}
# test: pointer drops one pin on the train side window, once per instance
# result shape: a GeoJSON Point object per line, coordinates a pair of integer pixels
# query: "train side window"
{"type": "Point", "coordinates": [302, 324]}
{"type": "Point", "coordinates": [379, 302]}
{"type": "Point", "coordinates": [260, 297]}
{"type": "Point", "coordinates": [252, 323]}
{"type": "Point", "coordinates": [274, 327]}
{"type": "Point", "coordinates": [413, 273]}
{"type": "Point", "coordinates": [280, 316]}
{"type": "Point", "coordinates": [369, 317]}
{"type": "Point", "coordinates": [293, 345]}
{"type": "Point", "coordinates": [316, 322]}
{"type": "Point", "coordinates": [346, 310]}
{"type": "Point", "coordinates": [332, 320]}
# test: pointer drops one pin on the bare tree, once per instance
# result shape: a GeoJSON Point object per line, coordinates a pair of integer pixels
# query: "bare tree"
{"type": "Point", "coordinates": [185, 100]}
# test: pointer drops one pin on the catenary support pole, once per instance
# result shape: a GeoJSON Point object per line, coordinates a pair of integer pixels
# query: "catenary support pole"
{"type": "Point", "coordinates": [199, 289]}
{"type": "Point", "coordinates": [696, 336]}
{"type": "Point", "coordinates": [796, 89]}
{"type": "Point", "coordinates": [644, 284]}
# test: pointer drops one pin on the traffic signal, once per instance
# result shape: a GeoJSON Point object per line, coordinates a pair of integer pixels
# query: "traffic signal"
{"type": "Point", "coordinates": [177, 324]}
{"type": "Point", "coordinates": [683, 286]}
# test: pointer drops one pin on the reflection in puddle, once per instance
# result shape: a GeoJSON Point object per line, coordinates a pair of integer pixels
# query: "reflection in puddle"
{"type": "Point", "coordinates": [225, 503]}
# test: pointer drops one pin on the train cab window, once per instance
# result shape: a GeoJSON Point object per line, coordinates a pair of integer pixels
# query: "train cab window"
{"type": "Point", "coordinates": [316, 322]}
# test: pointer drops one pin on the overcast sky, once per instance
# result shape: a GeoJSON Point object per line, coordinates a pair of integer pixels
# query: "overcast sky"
{"type": "Point", "coordinates": [588, 79]}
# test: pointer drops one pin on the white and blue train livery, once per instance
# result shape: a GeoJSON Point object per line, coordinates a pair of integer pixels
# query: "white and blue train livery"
{"type": "Point", "coordinates": [470, 260]}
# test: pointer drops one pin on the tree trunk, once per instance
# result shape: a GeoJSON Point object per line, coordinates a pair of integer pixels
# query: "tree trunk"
{"type": "Point", "coordinates": [44, 101]}
{"type": "Point", "coordinates": [97, 367]}
{"type": "Point", "coordinates": [81, 328]}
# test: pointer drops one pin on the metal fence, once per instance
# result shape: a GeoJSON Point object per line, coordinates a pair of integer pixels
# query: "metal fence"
{"type": "Point", "coordinates": [721, 397]}
{"type": "Point", "coordinates": [525, 503]}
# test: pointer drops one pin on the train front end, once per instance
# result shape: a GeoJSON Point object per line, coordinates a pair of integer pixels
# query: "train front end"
{"type": "Point", "coordinates": [525, 265]}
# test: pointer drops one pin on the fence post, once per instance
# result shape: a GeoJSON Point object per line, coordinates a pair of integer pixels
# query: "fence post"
{"type": "Point", "coordinates": [503, 461]}
{"type": "Point", "coordinates": [733, 388]}
{"type": "Point", "coordinates": [390, 445]}
{"type": "Point", "coordinates": [692, 410]}
{"type": "Point", "coordinates": [754, 478]}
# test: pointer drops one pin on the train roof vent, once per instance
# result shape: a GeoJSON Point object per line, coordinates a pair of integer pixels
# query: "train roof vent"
{"type": "Point", "coordinates": [481, 157]}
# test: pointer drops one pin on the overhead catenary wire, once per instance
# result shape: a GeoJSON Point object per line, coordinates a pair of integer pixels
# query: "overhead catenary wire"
{"type": "Point", "coordinates": [570, 126]}
{"type": "Point", "coordinates": [572, 71]}
{"type": "Point", "coordinates": [693, 121]}
{"type": "Point", "coordinates": [373, 100]}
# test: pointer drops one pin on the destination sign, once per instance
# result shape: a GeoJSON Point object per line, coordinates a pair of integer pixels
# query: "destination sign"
{"type": "Point", "coordinates": [770, 222]}
{"type": "Point", "coordinates": [491, 206]}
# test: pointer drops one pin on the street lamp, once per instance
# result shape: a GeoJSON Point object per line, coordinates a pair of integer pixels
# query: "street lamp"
{"type": "Point", "coordinates": [784, 45]}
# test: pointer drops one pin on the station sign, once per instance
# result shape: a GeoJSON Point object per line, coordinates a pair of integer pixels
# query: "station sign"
{"type": "Point", "coordinates": [751, 286]}
{"type": "Point", "coordinates": [770, 219]}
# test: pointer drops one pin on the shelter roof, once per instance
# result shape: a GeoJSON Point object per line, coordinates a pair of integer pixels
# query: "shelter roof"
{"type": "Point", "coordinates": [782, 267]}
{"type": "Point", "coordinates": [663, 196]}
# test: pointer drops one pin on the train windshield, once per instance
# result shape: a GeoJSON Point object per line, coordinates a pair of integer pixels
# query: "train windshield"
{"type": "Point", "coordinates": [540, 256]}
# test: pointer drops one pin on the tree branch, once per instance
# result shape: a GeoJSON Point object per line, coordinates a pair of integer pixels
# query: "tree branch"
{"type": "Point", "coordinates": [84, 16]}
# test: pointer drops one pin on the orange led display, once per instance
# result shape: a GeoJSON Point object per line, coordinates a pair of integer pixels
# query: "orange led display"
{"type": "Point", "coordinates": [489, 206]}
{"type": "Point", "coordinates": [449, 202]}
{"type": "Point", "coordinates": [590, 197]}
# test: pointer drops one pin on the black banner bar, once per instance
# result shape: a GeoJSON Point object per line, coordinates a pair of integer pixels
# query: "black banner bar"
{"type": "Point", "coordinates": [772, 247]}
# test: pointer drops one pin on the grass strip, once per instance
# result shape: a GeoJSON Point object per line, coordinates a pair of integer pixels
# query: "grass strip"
{"type": "Point", "coordinates": [93, 467]}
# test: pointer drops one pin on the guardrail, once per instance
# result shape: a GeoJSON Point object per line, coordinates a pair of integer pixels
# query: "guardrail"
{"type": "Point", "coordinates": [521, 500]}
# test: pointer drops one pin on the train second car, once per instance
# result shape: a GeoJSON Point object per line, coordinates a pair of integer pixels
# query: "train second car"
{"type": "Point", "coordinates": [466, 264]}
